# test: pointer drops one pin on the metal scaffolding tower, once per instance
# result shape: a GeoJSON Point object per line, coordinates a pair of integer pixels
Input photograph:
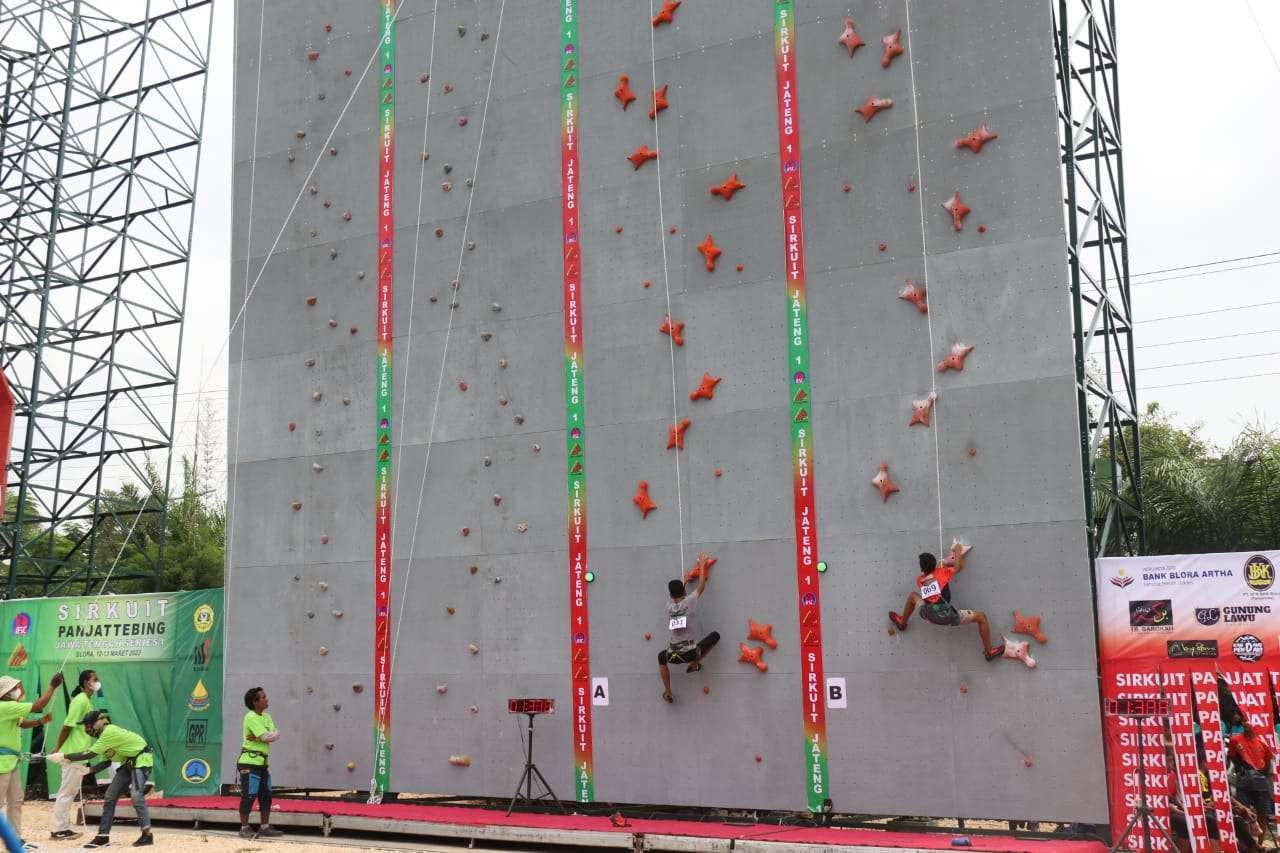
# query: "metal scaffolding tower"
{"type": "Point", "coordinates": [1097, 251]}
{"type": "Point", "coordinates": [103, 108]}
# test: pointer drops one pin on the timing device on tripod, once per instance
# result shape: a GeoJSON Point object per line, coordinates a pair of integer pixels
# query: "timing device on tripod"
{"type": "Point", "coordinates": [531, 708]}
{"type": "Point", "coordinates": [1140, 709]}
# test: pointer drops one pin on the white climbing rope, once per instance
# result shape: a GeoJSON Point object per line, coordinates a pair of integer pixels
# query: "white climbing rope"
{"type": "Point", "coordinates": [924, 258]}
{"type": "Point", "coordinates": [666, 286]}
{"type": "Point", "coordinates": [435, 407]}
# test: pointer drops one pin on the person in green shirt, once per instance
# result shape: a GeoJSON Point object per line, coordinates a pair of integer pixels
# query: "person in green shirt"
{"type": "Point", "coordinates": [130, 750]}
{"type": "Point", "coordinates": [73, 738]}
{"type": "Point", "coordinates": [259, 732]}
{"type": "Point", "coordinates": [13, 716]}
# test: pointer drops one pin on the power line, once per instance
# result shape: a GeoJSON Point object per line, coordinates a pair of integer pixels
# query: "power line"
{"type": "Point", "coordinates": [1213, 338]}
{"type": "Point", "coordinates": [1210, 311]}
{"type": "Point", "coordinates": [1258, 26]}
{"type": "Point", "coordinates": [1205, 381]}
{"type": "Point", "coordinates": [1208, 361]}
{"type": "Point", "coordinates": [1205, 264]}
{"type": "Point", "coordinates": [1208, 272]}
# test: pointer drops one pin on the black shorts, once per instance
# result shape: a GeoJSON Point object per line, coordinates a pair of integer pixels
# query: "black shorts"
{"type": "Point", "coordinates": [688, 654]}
{"type": "Point", "coordinates": [944, 613]}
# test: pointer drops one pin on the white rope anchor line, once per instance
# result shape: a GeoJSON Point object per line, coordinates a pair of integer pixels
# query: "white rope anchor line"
{"type": "Point", "coordinates": [413, 280]}
{"type": "Point", "coordinates": [666, 287]}
{"type": "Point", "coordinates": [924, 258]}
{"type": "Point", "coordinates": [435, 407]}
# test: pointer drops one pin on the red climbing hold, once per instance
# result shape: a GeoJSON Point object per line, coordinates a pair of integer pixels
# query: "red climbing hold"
{"type": "Point", "coordinates": [850, 38]}
{"type": "Point", "coordinates": [958, 210]}
{"type": "Point", "coordinates": [648, 636]}
{"type": "Point", "coordinates": [982, 229]}
{"type": "Point", "coordinates": [296, 505]}
{"type": "Point", "coordinates": [1027, 762]}
{"type": "Point", "coordinates": [671, 230]}
{"type": "Point", "coordinates": [706, 389]}
{"type": "Point", "coordinates": [719, 472]}
{"type": "Point", "coordinates": [292, 426]}
{"type": "Point", "coordinates": [955, 361]}
{"type": "Point", "coordinates": [466, 531]}
{"type": "Point", "coordinates": [704, 562]}
{"type": "Point", "coordinates": [921, 409]}
{"type": "Point", "coordinates": [710, 251]}
{"type": "Point", "coordinates": [915, 295]}
{"type": "Point", "coordinates": [311, 300]}
{"type": "Point", "coordinates": [884, 247]}
{"type": "Point", "coordinates": [873, 105]}
{"type": "Point", "coordinates": [1029, 625]}
{"type": "Point", "coordinates": [759, 758]}
{"type": "Point", "coordinates": [642, 499]}
{"type": "Point", "coordinates": [892, 47]}
{"type": "Point", "coordinates": [641, 156]}
{"type": "Point", "coordinates": [668, 13]}
{"type": "Point", "coordinates": [647, 284]}
{"type": "Point", "coordinates": [976, 138]}
{"type": "Point", "coordinates": [623, 93]}
{"type": "Point", "coordinates": [728, 188]}
{"type": "Point", "coordinates": [882, 482]}
{"type": "Point", "coordinates": [675, 437]}
{"type": "Point", "coordinates": [659, 101]}
{"type": "Point", "coordinates": [706, 690]}
{"type": "Point", "coordinates": [739, 267]}
{"type": "Point", "coordinates": [761, 632]}
{"type": "Point", "coordinates": [753, 655]}
{"type": "Point", "coordinates": [617, 229]}
{"type": "Point", "coordinates": [674, 329]}
{"type": "Point", "coordinates": [462, 385]}
{"type": "Point", "coordinates": [313, 55]}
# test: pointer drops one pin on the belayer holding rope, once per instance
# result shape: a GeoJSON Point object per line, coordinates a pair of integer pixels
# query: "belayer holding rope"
{"type": "Point", "coordinates": [73, 738]}
{"type": "Point", "coordinates": [933, 596]}
{"type": "Point", "coordinates": [13, 716]}
{"type": "Point", "coordinates": [131, 752]}
{"type": "Point", "coordinates": [682, 613]}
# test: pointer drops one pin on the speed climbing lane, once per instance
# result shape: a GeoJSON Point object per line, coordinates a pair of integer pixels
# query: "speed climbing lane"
{"type": "Point", "coordinates": [798, 388]}
{"type": "Point", "coordinates": [575, 421]}
{"type": "Point", "coordinates": [382, 451]}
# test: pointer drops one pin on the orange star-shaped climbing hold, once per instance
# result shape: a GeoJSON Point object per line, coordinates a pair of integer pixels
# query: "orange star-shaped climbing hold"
{"type": "Point", "coordinates": [921, 409]}
{"type": "Point", "coordinates": [703, 563]}
{"type": "Point", "coordinates": [849, 38]}
{"type": "Point", "coordinates": [761, 632]}
{"type": "Point", "coordinates": [882, 482]}
{"type": "Point", "coordinates": [1029, 625]}
{"type": "Point", "coordinates": [710, 251]}
{"type": "Point", "coordinates": [675, 436]}
{"type": "Point", "coordinates": [623, 93]}
{"type": "Point", "coordinates": [674, 329]}
{"type": "Point", "coordinates": [976, 138]}
{"type": "Point", "coordinates": [668, 13]}
{"type": "Point", "coordinates": [955, 360]}
{"type": "Point", "coordinates": [641, 156]}
{"type": "Point", "coordinates": [642, 499]}
{"type": "Point", "coordinates": [916, 295]}
{"type": "Point", "coordinates": [873, 105]}
{"type": "Point", "coordinates": [958, 210]}
{"type": "Point", "coordinates": [892, 47]}
{"type": "Point", "coordinates": [659, 101]}
{"type": "Point", "coordinates": [728, 188]}
{"type": "Point", "coordinates": [753, 655]}
{"type": "Point", "coordinates": [706, 389]}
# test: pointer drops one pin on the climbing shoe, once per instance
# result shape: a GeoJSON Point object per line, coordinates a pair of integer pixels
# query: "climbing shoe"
{"type": "Point", "coordinates": [269, 832]}
{"type": "Point", "coordinates": [98, 841]}
{"type": "Point", "coordinates": [997, 652]}
{"type": "Point", "coordinates": [146, 839]}
{"type": "Point", "coordinates": [898, 621]}
{"type": "Point", "coordinates": [693, 667]}
{"type": "Point", "coordinates": [247, 832]}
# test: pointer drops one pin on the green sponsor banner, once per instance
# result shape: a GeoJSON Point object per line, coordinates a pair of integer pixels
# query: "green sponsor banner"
{"type": "Point", "coordinates": [158, 657]}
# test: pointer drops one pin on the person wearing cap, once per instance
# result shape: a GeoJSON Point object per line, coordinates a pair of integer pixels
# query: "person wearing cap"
{"type": "Point", "coordinates": [73, 738]}
{"type": "Point", "coordinates": [13, 716]}
{"type": "Point", "coordinates": [130, 751]}
{"type": "Point", "coordinates": [259, 732]}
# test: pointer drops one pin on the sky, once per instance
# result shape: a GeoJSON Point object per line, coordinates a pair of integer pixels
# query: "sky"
{"type": "Point", "coordinates": [1200, 116]}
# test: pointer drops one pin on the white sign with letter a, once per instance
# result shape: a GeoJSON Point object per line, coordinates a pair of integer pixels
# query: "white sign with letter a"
{"type": "Point", "coordinates": [599, 691]}
{"type": "Point", "coordinates": [837, 694]}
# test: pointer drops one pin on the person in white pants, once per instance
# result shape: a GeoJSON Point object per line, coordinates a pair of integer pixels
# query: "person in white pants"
{"type": "Point", "coordinates": [13, 716]}
{"type": "Point", "coordinates": [73, 738]}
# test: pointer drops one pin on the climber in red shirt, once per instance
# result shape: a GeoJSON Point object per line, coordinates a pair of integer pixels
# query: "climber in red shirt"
{"type": "Point", "coordinates": [933, 596]}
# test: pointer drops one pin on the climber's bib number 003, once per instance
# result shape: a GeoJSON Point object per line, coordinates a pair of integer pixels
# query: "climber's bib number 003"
{"type": "Point", "coordinates": [930, 589]}
{"type": "Point", "coordinates": [678, 623]}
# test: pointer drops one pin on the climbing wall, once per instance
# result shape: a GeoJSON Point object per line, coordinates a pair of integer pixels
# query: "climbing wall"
{"type": "Point", "coordinates": [906, 206]}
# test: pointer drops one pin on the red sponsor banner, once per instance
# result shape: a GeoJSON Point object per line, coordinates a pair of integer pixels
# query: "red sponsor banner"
{"type": "Point", "coordinates": [1205, 684]}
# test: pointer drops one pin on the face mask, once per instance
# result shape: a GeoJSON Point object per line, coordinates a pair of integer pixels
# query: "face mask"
{"type": "Point", "coordinates": [95, 686]}
{"type": "Point", "coordinates": [15, 694]}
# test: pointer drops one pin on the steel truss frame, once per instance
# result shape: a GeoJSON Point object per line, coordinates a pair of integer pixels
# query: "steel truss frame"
{"type": "Point", "coordinates": [1098, 256]}
{"type": "Point", "coordinates": [103, 111]}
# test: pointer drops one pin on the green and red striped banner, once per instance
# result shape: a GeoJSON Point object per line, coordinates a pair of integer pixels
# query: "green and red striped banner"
{"type": "Point", "coordinates": [801, 394]}
{"type": "Point", "coordinates": [574, 409]}
{"type": "Point", "coordinates": [382, 450]}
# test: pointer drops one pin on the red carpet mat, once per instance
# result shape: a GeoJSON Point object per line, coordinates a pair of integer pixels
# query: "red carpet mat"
{"type": "Point", "coordinates": [794, 835]}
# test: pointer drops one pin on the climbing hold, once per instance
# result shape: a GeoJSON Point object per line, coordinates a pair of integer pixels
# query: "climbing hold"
{"type": "Point", "coordinates": [351, 765]}
{"type": "Point", "coordinates": [642, 500]}
{"type": "Point", "coordinates": [328, 203]}
{"type": "Point", "coordinates": [311, 614]}
{"type": "Point", "coordinates": [462, 385]}
{"type": "Point", "coordinates": [710, 251]}
{"type": "Point", "coordinates": [659, 101]}
{"type": "Point", "coordinates": [761, 632]}
{"type": "Point", "coordinates": [313, 55]}
{"type": "Point", "coordinates": [1019, 650]}
{"type": "Point", "coordinates": [671, 230]}
{"type": "Point", "coordinates": [484, 37]}
{"type": "Point", "coordinates": [324, 538]}
{"type": "Point", "coordinates": [706, 389]}
{"type": "Point", "coordinates": [641, 156]}
{"type": "Point", "coordinates": [357, 687]}
{"type": "Point", "coordinates": [471, 244]}
{"type": "Point", "coordinates": [422, 78]}
{"type": "Point", "coordinates": [667, 15]}
{"type": "Point", "coordinates": [976, 138]}
{"type": "Point", "coordinates": [495, 307]}
{"type": "Point", "coordinates": [915, 295]}
{"type": "Point", "coordinates": [519, 419]}
{"type": "Point", "coordinates": [958, 210]}
{"type": "Point", "coordinates": [704, 562]}
{"type": "Point", "coordinates": [964, 688]}
{"type": "Point", "coordinates": [333, 253]}
{"type": "Point", "coordinates": [882, 482]}
{"type": "Point", "coordinates": [884, 246]}
{"type": "Point", "coordinates": [469, 182]}
{"type": "Point", "coordinates": [346, 71]}
{"type": "Point", "coordinates": [462, 121]}
{"type": "Point", "coordinates": [675, 437]}
{"type": "Point", "coordinates": [460, 760]}
{"type": "Point", "coordinates": [706, 690]}
{"type": "Point", "coordinates": [873, 105]}
{"type": "Point", "coordinates": [301, 134]}
{"type": "Point", "coordinates": [473, 648]}
{"type": "Point", "coordinates": [892, 47]}
{"type": "Point", "coordinates": [497, 499]}
{"type": "Point", "coordinates": [313, 189]}
{"type": "Point", "coordinates": [647, 284]}
{"type": "Point", "coordinates": [675, 330]}
{"type": "Point", "coordinates": [297, 505]}
{"type": "Point", "coordinates": [759, 758]}
{"type": "Point", "coordinates": [329, 747]}
{"type": "Point", "coordinates": [311, 362]}
{"type": "Point", "coordinates": [502, 362]}
{"type": "Point", "coordinates": [753, 655]}
{"type": "Point", "coordinates": [487, 462]}
{"type": "Point", "coordinates": [442, 689]}
{"type": "Point", "coordinates": [955, 361]}
{"type": "Point", "coordinates": [623, 93]}
{"type": "Point", "coordinates": [911, 185]}
{"type": "Point", "coordinates": [728, 188]}
{"type": "Point", "coordinates": [617, 229]}
{"type": "Point", "coordinates": [1029, 625]}
{"type": "Point", "coordinates": [311, 300]}
{"type": "Point", "coordinates": [447, 88]}
{"type": "Point", "coordinates": [848, 188]}
{"type": "Point", "coordinates": [333, 322]}
{"type": "Point", "coordinates": [317, 467]}
{"type": "Point", "coordinates": [447, 186]}
{"type": "Point", "coordinates": [322, 586]}
{"type": "Point", "coordinates": [648, 636]}
{"type": "Point", "coordinates": [1026, 761]}
{"type": "Point", "coordinates": [324, 650]}
{"type": "Point", "coordinates": [360, 275]}
{"type": "Point", "coordinates": [973, 451]}
{"type": "Point", "coordinates": [450, 610]}
{"type": "Point", "coordinates": [497, 579]}
{"type": "Point", "coordinates": [890, 631]}
{"type": "Point", "coordinates": [473, 568]}
{"type": "Point", "coordinates": [537, 448]}
{"type": "Point", "coordinates": [474, 710]}
{"type": "Point", "coordinates": [921, 409]}
{"type": "Point", "coordinates": [346, 214]}
{"type": "Point", "coordinates": [982, 229]}
{"type": "Point", "coordinates": [333, 152]}
{"type": "Point", "coordinates": [850, 38]}
{"type": "Point", "coordinates": [719, 473]}
{"type": "Point", "coordinates": [462, 31]}
{"type": "Point", "coordinates": [740, 267]}
{"type": "Point", "coordinates": [337, 614]}
{"type": "Point", "coordinates": [353, 330]}
{"type": "Point", "coordinates": [522, 527]}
